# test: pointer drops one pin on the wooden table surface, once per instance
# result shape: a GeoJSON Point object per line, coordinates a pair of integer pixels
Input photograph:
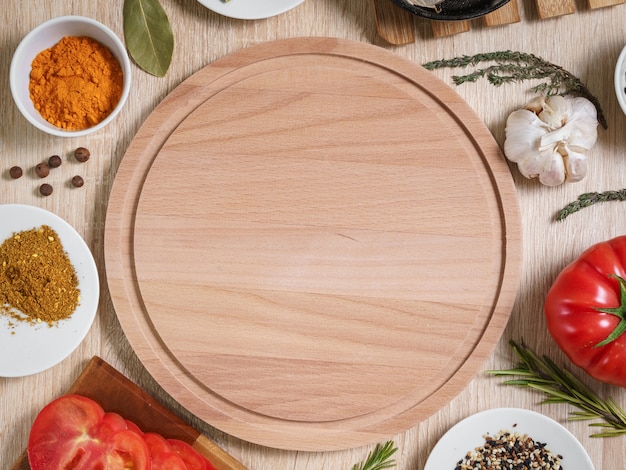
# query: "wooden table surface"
{"type": "Point", "coordinates": [587, 43]}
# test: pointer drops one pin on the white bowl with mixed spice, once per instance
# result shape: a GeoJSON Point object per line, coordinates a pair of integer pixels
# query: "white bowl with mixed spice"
{"type": "Point", "coordinates": [508, 438]}
{"type": "Point", "coordinates": [70, 76]}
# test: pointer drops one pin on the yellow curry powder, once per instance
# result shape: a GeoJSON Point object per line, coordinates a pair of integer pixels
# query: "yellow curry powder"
{"type": "Point", "coordinates": [76, 83]}
{"type": "Point", "coordinates": [36, 277]}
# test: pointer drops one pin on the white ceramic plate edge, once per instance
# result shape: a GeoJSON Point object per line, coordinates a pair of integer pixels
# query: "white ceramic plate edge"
{"type": "Point", "coordinates": [620, 80]}
{"type": "Point", "coordinates": [27, 349]}
{"type": "Point", "coordinates": [250, 9]}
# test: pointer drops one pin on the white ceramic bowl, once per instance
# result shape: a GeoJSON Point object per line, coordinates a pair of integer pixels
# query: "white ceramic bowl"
{"type": "Point", "coordinates": [620, 80]}
{"type": "Point", "coordinates": [47, 35]}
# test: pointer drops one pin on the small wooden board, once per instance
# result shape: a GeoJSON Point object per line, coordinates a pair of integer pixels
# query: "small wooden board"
{"type": "Point", "coordinates": [394, 24]}
{"type": "Point", "coordinates": [114, 392]}
{"type": "Point", "coordinates": [448, 28]}
{"type": "Point", "coordinates": [552, 8]}
{"type": "Point", "coordinates": [506, 14]}
{"type": "Point", "coordinates": [593, 4]}
{"type": "Point", "coordinates": [301, 222]}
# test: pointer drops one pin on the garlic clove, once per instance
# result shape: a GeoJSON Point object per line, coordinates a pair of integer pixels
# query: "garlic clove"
{"type": "Point", "coordinates": [536, 104]}
{"type": "Point", "coordinates": [524, 131]}
{"type": "Point", "coordinates": [548, 166]}
{"type": "Point", "coordinates": [553, 173]}
{"type": "Point", "coordinates": [583, 130]}
{"type": "Point", "coordinates": [575, 166]}
{"type": "Point", "coordinates": [555, 111]}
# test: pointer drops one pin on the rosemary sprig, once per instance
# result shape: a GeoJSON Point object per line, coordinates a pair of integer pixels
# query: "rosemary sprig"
{"type": "Point", "coordinates": [588, 199]}
{"type": "Point", "coordinates": [512, 66]}
{"type": "Point", "coordinates": [379, 458]}
{"type": "Point", "coordinates": [559, 385]}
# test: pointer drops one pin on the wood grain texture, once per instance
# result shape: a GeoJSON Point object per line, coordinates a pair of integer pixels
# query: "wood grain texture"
{"type": "Point", "coordinates": [449, 28]}
{"type": "Point", "coordinates": [318, 248]}
{"type": "Point", "coordinates": [203, 37]}
{"type": "Point", "coordinates": [551, 8]}
{"type": "Point", "coordinates": [394, 24]}
{"type": "Point", "coordinates": [114, 392]}
{"type": "Point", "coordinates": [604, 3]}
{"type": "Point", "coordinates": [506, 14]}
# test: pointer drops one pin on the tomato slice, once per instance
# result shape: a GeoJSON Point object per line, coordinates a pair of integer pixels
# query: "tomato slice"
{"type": "Point", "coordinates": [110, 424]}
{"type": "Point", "coordinates": [133, 427]}
{"type": "Point", "coordinates": [72, 433]}
{"type": "Point", "coordinates": [156, 443]}
{"type": "Point", "coordinates": [162, 454]}
{"type": "Point", "coordinates": [127, 451]}
{"type": "Point", "coordinates": [190, 456]}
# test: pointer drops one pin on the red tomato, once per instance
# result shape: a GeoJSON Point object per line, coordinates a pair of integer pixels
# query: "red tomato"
{"type": "Point", "coordinates": [585, 311]}
{"type": "Point", "coordinates": [72, 432]}
{"type": "Point", "coordinates": [133, 427]}
{"type": "Point", "coordinates": [190, 456]}
{"type": "Point", "coordinates": [112, 423]}
{"type": "Point", "coordinates": [162, 454]}
{"type": "Point", "coordinates": [156, 443]}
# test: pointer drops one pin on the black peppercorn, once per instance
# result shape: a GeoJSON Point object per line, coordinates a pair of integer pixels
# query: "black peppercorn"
{"type": "Point", "coordinates": [81, 154]}
{"type": "Point", "coordinates": [15, 172]}
{"type": "Point", "coordinates": [77, 181]}
{"type": "Point", "coordinates": [54, 161]}
{"type": "Point", "coordinates": [45, 189]}
{"type": "Point", "coordinates": [42, 170]}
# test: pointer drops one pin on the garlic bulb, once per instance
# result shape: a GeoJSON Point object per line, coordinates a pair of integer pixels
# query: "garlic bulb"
{"type": "Point", "coordinates": [549, 137]}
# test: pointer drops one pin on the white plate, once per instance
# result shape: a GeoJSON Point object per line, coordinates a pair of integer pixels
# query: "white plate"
{"type": "Point", "coordinates": [27, 349]}
{"type": "Point", "coordinates": [250, 9]}
{"type": "Point", "coordinates": [469, 433]}
{"type": "Point", "coordinates": [620, 80]}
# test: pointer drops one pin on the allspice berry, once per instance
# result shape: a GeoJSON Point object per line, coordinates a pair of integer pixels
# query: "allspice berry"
{"type": "Point", "coordinates": [45, 189]}
{"type": "Point", "coordinates": [42, 170]}
{"type": "Point", "coordinates": [81, 154]}
{"type": "Point", "coordinates": [77, 181]}
{"type": "Point", "coordinates": [15, 172]}
{"type": "Point", "coordinates": [54, 161]}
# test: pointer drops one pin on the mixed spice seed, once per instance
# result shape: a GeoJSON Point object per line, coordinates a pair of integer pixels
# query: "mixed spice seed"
{"type": "Point", "coordinates": [42, 170]}
{"type": "Point", "coordinates": [510, 451]}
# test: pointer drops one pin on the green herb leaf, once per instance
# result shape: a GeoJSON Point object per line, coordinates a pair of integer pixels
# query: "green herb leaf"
{"type": "Point", "coordinates": [513, 66]}
{"type": "Point", "coordinates": [148, 34]}
{"type": "Point", "coordinates": [559, 385]}
{"type": "Point", "coordinates": [379, 458]}
{"type": "Point", "coordinates": [589, 199]}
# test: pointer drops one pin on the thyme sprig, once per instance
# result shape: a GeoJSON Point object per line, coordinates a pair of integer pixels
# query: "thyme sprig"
{"type": "Point", "coordinates": [379, 458]}
{"type": "Point", "coordinates": [513, 66]}
{"type": "Point", "coordinates": [559, 385]}
{"type": "Point", "coordinates": [588, 199]}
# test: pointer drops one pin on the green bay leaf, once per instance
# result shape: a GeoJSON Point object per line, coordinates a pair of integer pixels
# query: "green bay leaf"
{"type": "Point", "coordinates": [148, 35]}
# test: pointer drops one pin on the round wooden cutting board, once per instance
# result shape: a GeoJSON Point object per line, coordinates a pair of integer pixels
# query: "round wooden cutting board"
{"type": "Point", "coordinates": [313, 244]}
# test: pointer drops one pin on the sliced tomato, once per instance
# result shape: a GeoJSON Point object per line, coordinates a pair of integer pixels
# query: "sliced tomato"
{"type": "Point", "coordinates": [190, 456]}
{"type": "Point", "coordinates": [129, 451]}
{"type": "Point", "coordinates": [133, 427]}
{"type": "Point", "coordinates": [156, 443]}
{"type": "Point", "coordinates": [162, 454]}
{"type": "Point", "coordinates": [111, 423]}
{"type": "Point", "coordinates": [72, 432]}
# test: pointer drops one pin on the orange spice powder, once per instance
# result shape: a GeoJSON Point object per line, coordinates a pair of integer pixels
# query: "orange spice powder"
{"type": "Point", "coordinates": [76, 83]}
